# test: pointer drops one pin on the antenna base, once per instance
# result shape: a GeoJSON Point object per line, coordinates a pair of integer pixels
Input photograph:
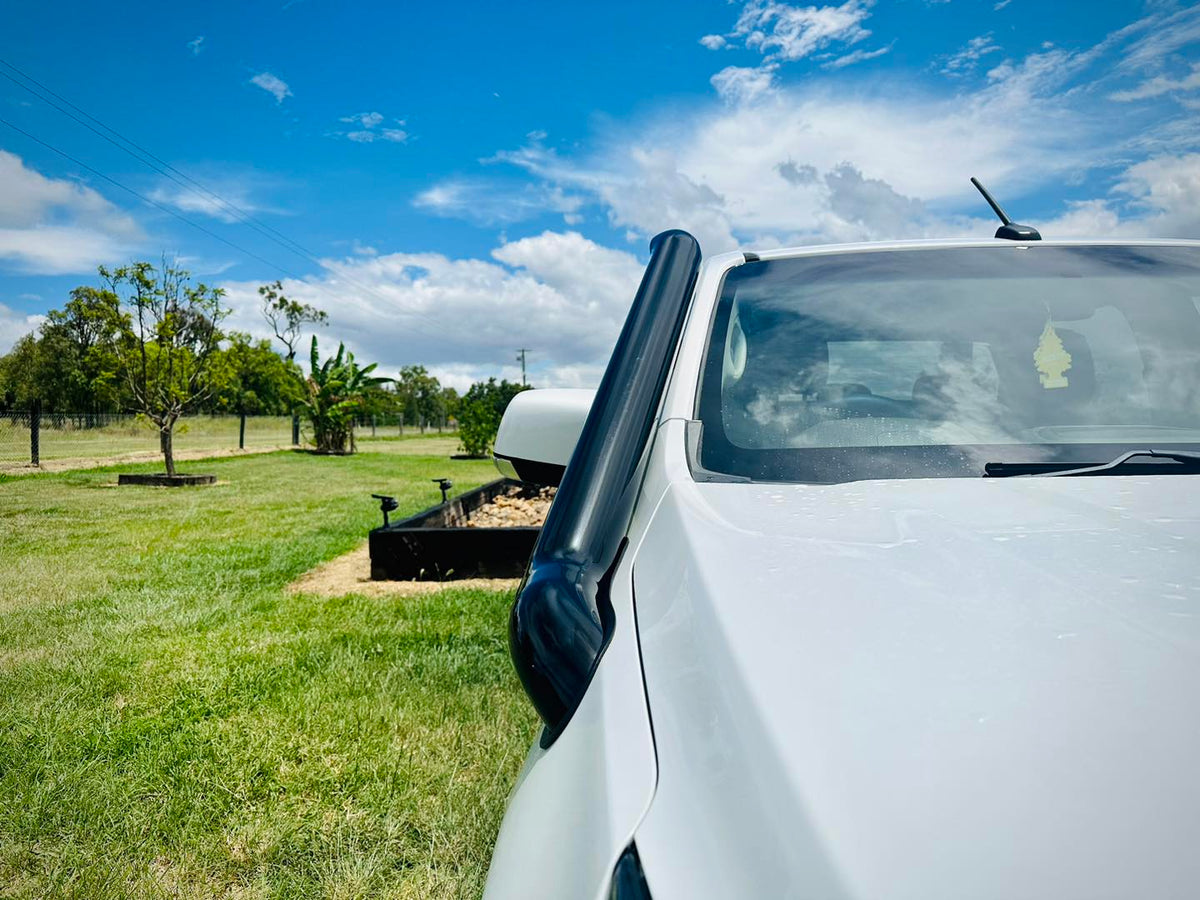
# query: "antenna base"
{"type": "Point", "coordinates": [1014, 232]}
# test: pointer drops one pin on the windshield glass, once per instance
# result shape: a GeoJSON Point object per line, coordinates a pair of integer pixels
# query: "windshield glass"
{"type": "Point", "coordinates": [934, 361]}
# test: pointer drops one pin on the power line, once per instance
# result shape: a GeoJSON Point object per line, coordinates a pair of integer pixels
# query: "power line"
{"type": "Point", "coordinates": [158, 165]}
{"type": "Point", "coordinates": [147, 200]}
{"type": "Point", "coordinates": [147, 158]}
{"type": "Point", "coordinates": [246, 216]}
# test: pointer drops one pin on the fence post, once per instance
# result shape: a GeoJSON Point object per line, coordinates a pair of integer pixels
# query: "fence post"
{"type": "Point", "coordinates": [35, 438]}
{"type": "Point", "coordinates": [242, 431]}
{"type": "Point", "coordinates": [372, 424]}
{"type": "Point", "coordinates": [295, 431]}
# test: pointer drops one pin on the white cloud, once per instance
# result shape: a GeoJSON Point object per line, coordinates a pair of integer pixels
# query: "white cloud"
{"type": "Point", "coordinates": [1167, 189]}
{"type": "Point", "coordinates": [1159, 85]}
{"type": "Point", "coordinates": [15, 325]}
{"type": "Point", "coordinates": [713, 41]}
{"type": "Point", "coordinates": [740, 85]}
{"type": "Point", "coordinates": [558, 293]}
{"type": "Point", "coordinates": [369, 132]}
{"type": "Point", "coordinates": [824, 160]}
{"type": "Point", "coordinates": [486, 203]}
{"type": "Point", "coordinates": [273, 85]}
{"type": "Point", "coordinates": [967, 58]}
{"type": "Point", "coordinates": [366, 120]}
{"type": "Point", "coordinates": [236, 190]}
{"type": "Point", "coordinates": [196, 45]}
{"type": "Point", "coordinates": [856, 56]}
{"type": "Point", "coordinates": [53, 226]}
{"type": "Point", "coordinates": [783, 32]}
{"type": "Point", "coordinates": [723, 174]}
{"type": "Point", "coordinates": [394, 135]}
{"type": "Point", "coordinates": [1162, 36]}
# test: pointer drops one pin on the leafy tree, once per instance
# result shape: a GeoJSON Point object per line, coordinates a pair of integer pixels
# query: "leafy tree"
{"type": "Point", "coordinates": [252, 378]}
{"type": "Point", "coordinates": [334, 395]}
{"type": "Point", "coordinates": [287, 317]}
{"type": "Point", "coordinates": [74, 364]}
{"type": "Point", "coordinates": [168, 340]}
{"type": "Point", "coordinates": [480, 411]}
{"type": "Point", "coordinates": [18, 373]}
{"type": "Point", "coordinates": [81, 340]}
{"type": "Point", "coordinates": [450, 401]}
{"type": "Point", "coordinates": [420, 396]}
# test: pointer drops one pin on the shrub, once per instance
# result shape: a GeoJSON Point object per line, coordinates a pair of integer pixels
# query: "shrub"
{"type": "Point", "coordinates": [480, 411]}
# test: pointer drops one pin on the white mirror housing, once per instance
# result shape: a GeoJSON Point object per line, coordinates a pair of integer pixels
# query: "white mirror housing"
{"type": "Point", "coordinates": [538, 433]}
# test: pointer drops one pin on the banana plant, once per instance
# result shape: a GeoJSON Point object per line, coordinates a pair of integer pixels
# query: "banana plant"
{"type": "Point", "coordinates": [333, 394]}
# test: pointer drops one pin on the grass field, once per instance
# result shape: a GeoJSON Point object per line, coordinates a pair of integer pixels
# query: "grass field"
{"type": "Point", "coordinates": [128, 435]}
{"type": "Point", "coordinates": [131, 436]}
{"type": "Point", "coordinates": [173, 723]}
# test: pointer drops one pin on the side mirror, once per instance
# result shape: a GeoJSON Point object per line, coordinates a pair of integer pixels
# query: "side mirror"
{"type": "Point", "coordinates": [538, 434]}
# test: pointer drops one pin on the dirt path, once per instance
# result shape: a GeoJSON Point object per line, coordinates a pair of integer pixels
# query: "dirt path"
{"type": "Point", "coordinates": [351, 574]}
{"type": "Point", "coordinates": [95, 462]}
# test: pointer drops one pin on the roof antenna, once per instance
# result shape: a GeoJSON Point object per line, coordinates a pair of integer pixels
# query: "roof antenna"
{"type": "Point", "coordinates": [1010, 230]}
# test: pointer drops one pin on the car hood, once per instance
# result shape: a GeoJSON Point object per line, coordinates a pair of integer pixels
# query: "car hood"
{"type": "Point", "coordinates": [939, 688]}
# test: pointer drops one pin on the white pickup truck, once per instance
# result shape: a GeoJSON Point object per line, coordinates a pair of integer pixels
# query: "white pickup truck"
{"type": "Point", "coordinates": [874, 573]}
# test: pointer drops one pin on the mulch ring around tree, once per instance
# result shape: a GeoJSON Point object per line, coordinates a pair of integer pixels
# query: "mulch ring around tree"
{"type": "Point", "coordinates": [162, 479]}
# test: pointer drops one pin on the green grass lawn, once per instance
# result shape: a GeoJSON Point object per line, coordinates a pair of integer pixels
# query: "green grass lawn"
{"type": "Point", "coordinates": [173, 723]}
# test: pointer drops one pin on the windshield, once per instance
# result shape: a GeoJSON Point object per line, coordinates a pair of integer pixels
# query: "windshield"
{"type": "Point", "coordinates": [934, 361]}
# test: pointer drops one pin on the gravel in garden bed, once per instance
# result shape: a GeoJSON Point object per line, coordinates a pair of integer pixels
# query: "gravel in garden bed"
{"type": "Point", "coordinates": [511, 510]}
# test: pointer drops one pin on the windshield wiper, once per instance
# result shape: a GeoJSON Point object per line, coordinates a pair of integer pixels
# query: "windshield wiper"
{"type": "Point", "coordinates": [1190, 462]}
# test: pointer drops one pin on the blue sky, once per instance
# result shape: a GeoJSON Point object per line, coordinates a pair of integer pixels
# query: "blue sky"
{"type": "Point", "coordinates": [466, 184]}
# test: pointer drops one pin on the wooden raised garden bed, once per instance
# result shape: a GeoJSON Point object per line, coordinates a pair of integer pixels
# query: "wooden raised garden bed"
{"type": "Point", "coordinates": [458, 539]}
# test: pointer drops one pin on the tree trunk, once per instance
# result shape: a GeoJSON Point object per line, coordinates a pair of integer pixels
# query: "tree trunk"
{"type": "Point", "coordinates": [165, 438]}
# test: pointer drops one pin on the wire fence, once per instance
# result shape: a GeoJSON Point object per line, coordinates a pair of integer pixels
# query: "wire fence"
{"type": "Point", "coordinates": [31, 437]}
{"type": "Point", "coordinates": [384, 425]}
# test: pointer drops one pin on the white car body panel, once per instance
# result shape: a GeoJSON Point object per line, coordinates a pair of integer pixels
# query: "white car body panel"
{"type": "Point", "coordinates": [941, 688]}
{"type": "Point", "coordinates": [575, 805]}
{"type": "Point", "coordinates": [915, 688]}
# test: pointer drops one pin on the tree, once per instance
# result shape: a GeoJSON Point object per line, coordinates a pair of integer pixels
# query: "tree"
{"type": "Point", "coordinates": [420, 396]}
{"type": "Point", "coordinates": [249, 377]}
{"type": "Point", "coordinates": [333, 395]}
{"type": "Point", "coordinates": [18, 373]}
{"type": "Point", "coordinates": [82, 341]}
{"type": "Point", "coordinates": [287, 317]}
{"type": "Point", "coordinates": [167, 342]}
{"type": "Point", "coordinates": [450, 401]}
{"type": "Point", "coordinates": [72, 363]}
{"type": "Point", "coordinates": [480, 411]}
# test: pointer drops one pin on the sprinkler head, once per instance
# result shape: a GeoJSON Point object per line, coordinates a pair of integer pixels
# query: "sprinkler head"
{"type": "Point", "coordinates": [386, 505]}
{"type": "Point", "coordinates": [445, 484]}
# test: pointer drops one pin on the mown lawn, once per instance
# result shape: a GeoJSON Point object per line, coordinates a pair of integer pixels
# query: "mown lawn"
{"type": "Point", "coordinates": [173, 723]}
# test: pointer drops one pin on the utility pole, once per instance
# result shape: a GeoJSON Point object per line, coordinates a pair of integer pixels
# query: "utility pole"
{"type": "Point", "coordinates": [521, 351]}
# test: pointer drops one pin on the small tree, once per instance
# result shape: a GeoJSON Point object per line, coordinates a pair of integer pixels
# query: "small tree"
{"type": "Point", "coordinates": [167, 341]}
{"type": "Point", "coordinates": [333, 394]}
{"type": "Point", "coordinates": [287, 317]}
{"type": "Point", "coordinates": [420, 396]}
{"type": "Point", "coordinates": [480, 411]}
